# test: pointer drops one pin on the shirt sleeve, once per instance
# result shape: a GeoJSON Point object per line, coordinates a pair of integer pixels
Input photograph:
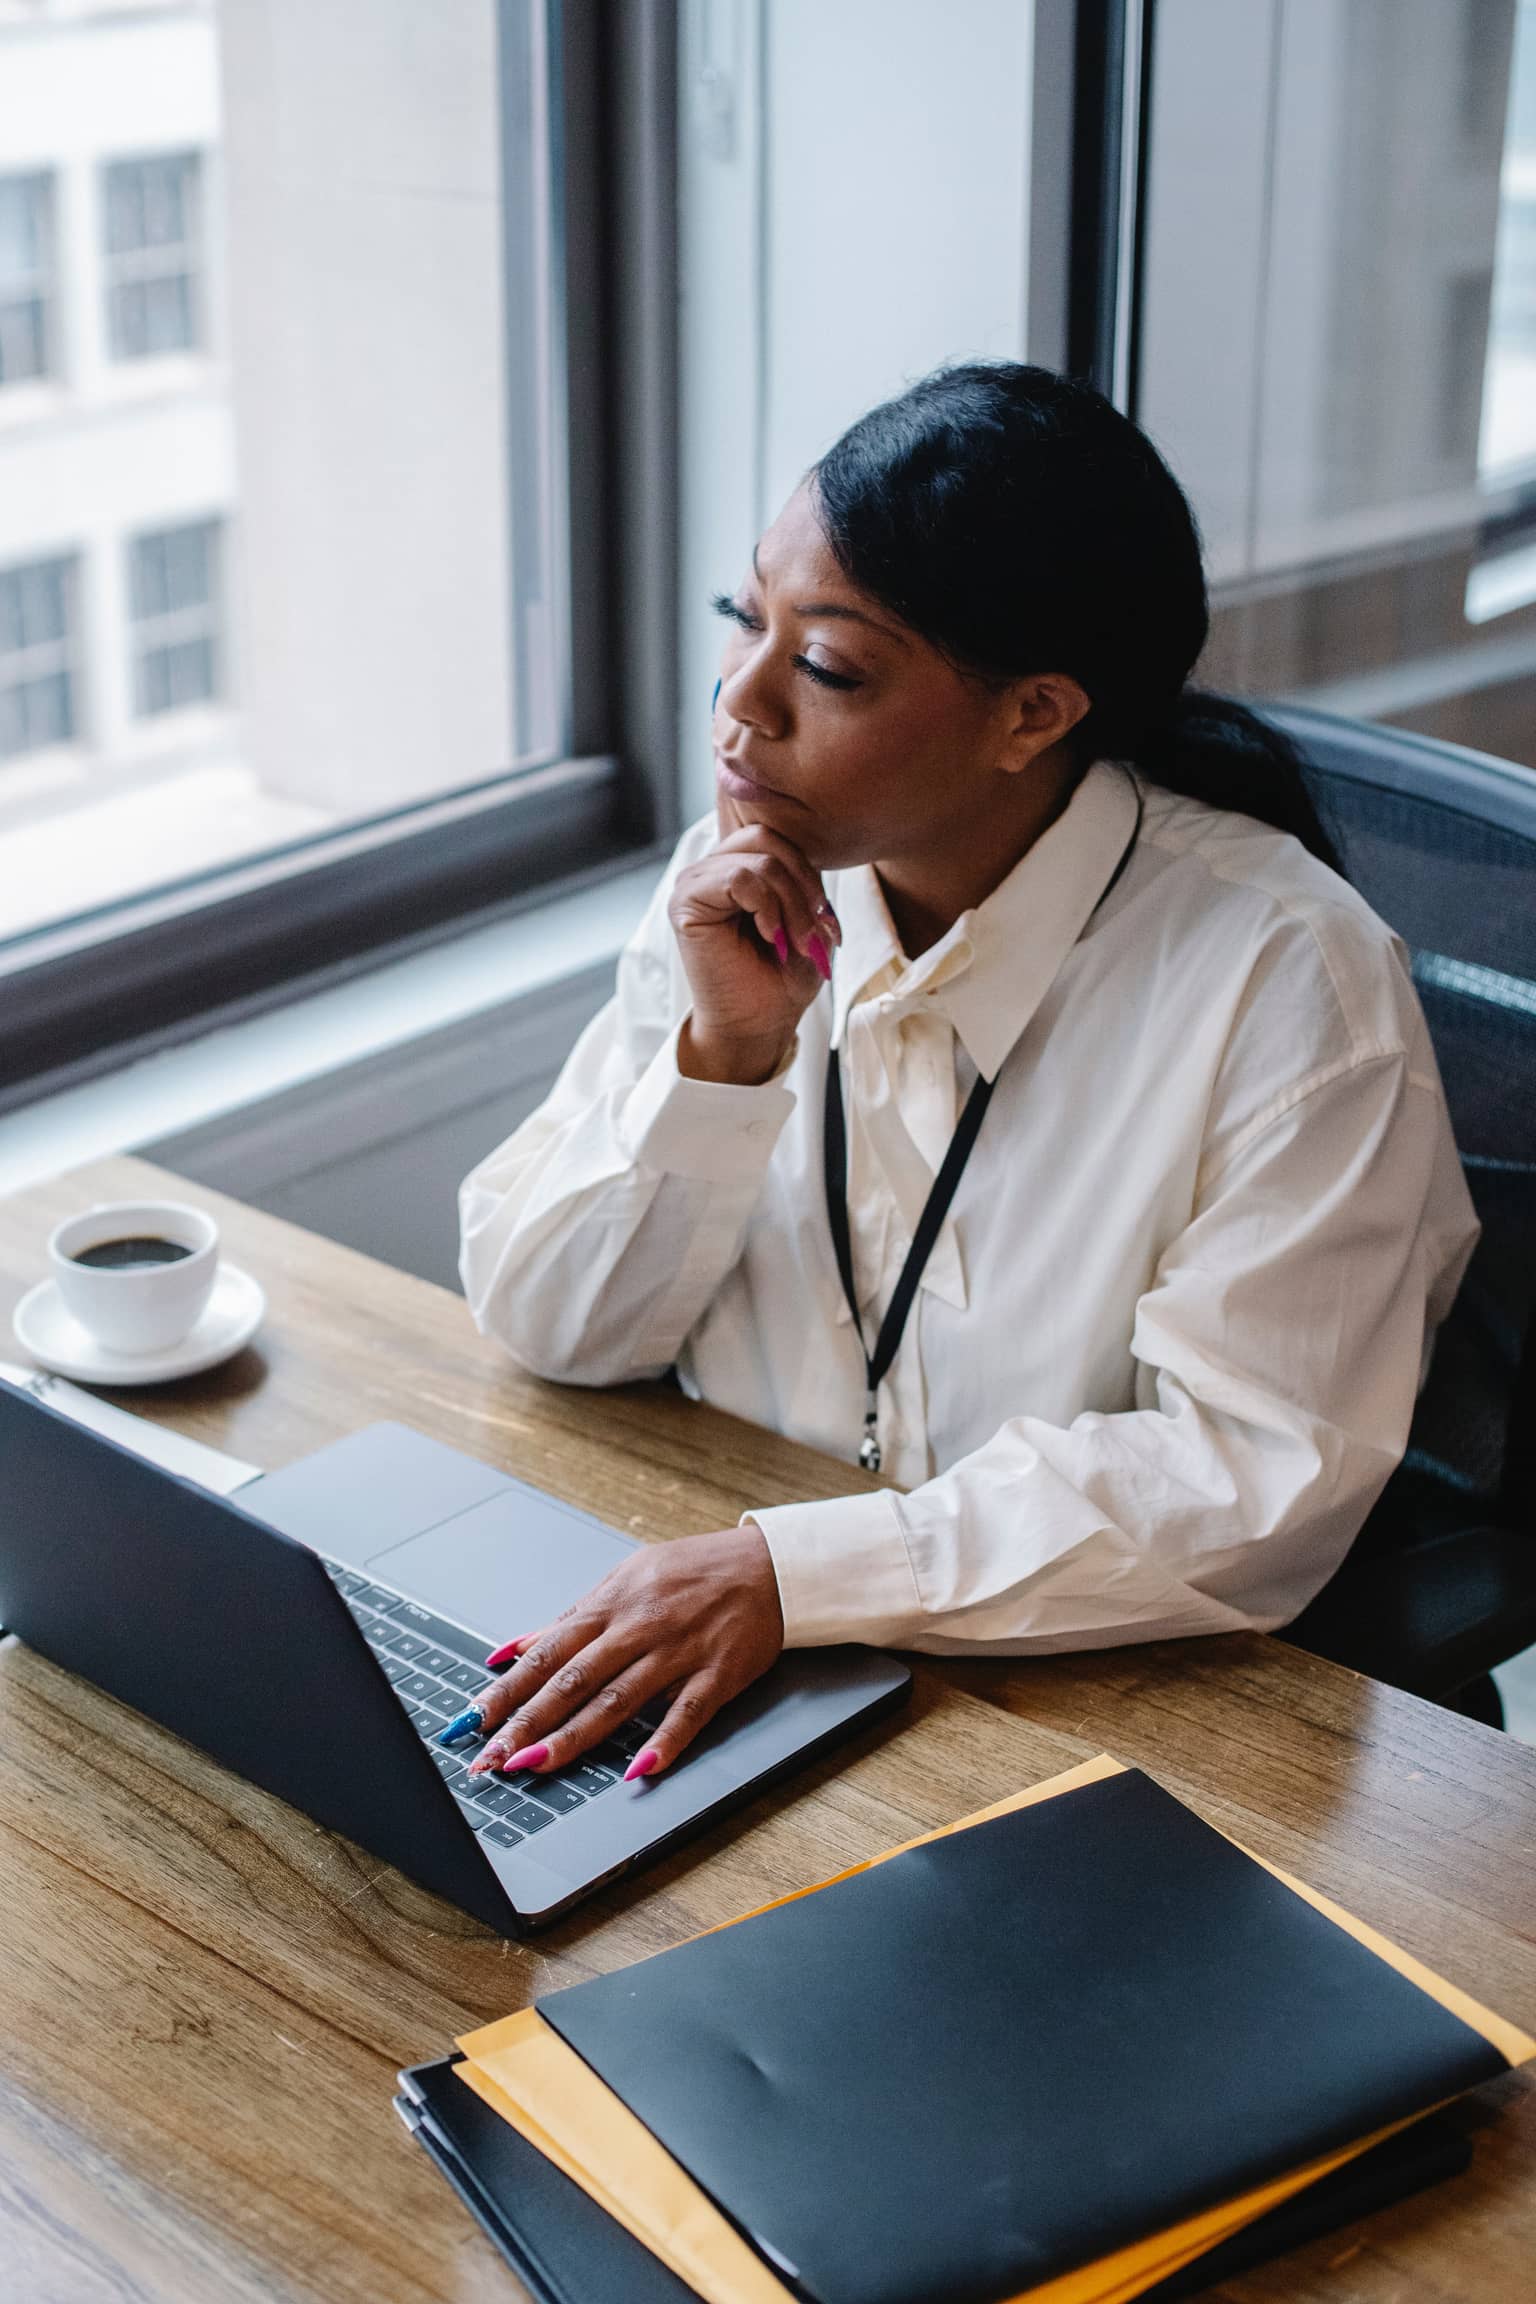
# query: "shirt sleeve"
{"type": "Point", "coordinates": [592, 1240]}
{"type": "Point", "coordinates": [1278, 1355]}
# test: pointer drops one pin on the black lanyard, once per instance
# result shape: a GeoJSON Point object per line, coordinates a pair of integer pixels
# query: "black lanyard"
{"type": "Point", "coordinates": [834, 1142]}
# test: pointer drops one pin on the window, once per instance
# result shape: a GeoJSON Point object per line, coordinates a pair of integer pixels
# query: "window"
{"type": "Point", "coordinates": [37, 657]}
{"type": "Point", "coordinates": [26, 278]}
{"type": "Point", "coordinates": [152, 259]}
{"type": "Point", "coordinates": [173, 603]}
{"type": "Point", "coordinates": [1335, 333]}
{"type": "Point", "coordinates": [434, 480]}
{"type": "Point", "coordinates": [1507, 449]}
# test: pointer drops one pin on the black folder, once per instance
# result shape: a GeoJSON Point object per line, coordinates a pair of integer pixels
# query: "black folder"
{"type": "Point", "coordinates": [567, 2250]}
{"type": "Point", "coordinates": [1015, 2049]}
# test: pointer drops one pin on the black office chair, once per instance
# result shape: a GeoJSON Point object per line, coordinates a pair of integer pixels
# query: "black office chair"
{"type": "Point", "coordinates": [1440, 1586]}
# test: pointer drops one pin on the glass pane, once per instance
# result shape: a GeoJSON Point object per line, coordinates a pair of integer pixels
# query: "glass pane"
{"type": "Point", "coordinates": [1339, 341]}
{"type": "Point", "coordinates": [324, 565]}
{"type": "Point", "coordinates": [23, 341]}
{"type": "Point", "coordinates": [1508, 443]}
{"type": "Point", "coordinates": [128, 322]}
{"type": "Point", "coordinates": [48, 713]}
{"type": "Point", "coordinates": [23, 236]}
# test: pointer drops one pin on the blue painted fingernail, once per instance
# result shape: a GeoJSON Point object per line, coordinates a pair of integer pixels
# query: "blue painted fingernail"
{"type": "Point", "coordinates": [468, 1724]}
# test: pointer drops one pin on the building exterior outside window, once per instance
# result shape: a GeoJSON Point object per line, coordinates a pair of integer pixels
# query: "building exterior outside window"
{"type": "Point", "coordinates": [152, 261]}
{"type": "Point", "coordinates": [173, 593]}
{"type": "Point", "coordinates": [37, 656]}
{"type": "Point", "coordinates": [27, 288]}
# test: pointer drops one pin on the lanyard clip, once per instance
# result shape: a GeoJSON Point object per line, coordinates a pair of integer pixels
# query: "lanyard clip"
{"type": "Point", "coordinates": [869, 1446]}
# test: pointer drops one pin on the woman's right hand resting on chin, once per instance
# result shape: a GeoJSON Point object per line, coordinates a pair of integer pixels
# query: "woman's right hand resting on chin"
{"type": "Point", "coordinates": [754, 929]}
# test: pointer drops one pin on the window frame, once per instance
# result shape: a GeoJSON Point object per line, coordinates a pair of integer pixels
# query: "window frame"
{"type": "Point", "coordinates": [65, 649]}
{"type": "Point", "coordinates": [44, 291]}
{"type": "Point", "coordinates": [83, 996]}
{"type": "Point", "coordinates": [159, 631]}
{"type": "Point", "coordinates": [152, 263]}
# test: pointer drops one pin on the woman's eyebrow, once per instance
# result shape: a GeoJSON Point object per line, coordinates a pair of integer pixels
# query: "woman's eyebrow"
{"type": "Point", "coordinates": [834, 608]}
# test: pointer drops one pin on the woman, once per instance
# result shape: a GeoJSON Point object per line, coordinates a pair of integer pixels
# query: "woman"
{"type": "Point", "coordinates": [976, 839]}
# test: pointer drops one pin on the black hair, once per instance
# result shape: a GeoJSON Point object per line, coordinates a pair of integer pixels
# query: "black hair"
{"type": "Point", "coordinates": [1020, 523]}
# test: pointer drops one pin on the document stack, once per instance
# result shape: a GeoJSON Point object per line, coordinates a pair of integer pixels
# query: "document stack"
{"type": "Point", "coordinates": [1078, 2048]}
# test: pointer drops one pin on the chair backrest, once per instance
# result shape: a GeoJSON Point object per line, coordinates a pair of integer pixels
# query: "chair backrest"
{"type": "Point", "coordinates": [1442, 843]}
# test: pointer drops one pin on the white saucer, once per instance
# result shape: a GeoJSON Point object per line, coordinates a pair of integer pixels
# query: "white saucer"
{"type": "Point", "coordinates": [229, 1320]}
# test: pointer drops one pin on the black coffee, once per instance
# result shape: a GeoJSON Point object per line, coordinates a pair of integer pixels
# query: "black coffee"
{"type": "Point", "coordinates": [130, 1255]}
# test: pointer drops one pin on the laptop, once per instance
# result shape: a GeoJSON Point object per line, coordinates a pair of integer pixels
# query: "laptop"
{"type": "Point", "coordinates": [314, 1630]}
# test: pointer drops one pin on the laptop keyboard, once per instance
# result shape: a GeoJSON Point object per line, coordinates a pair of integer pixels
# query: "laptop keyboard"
{"type": "Point", "coordinates": [435, 1668]}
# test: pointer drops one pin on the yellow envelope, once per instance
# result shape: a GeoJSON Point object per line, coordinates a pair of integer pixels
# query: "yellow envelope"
{"type": "Point", "coordinates": [526, 2073]}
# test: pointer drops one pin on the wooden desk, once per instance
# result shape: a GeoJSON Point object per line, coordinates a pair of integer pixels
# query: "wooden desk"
{"type": "Point", "coordinates": [204, 1998]}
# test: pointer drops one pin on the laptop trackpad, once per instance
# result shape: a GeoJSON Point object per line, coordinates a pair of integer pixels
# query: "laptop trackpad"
{"type": "Point", "coordinates": [506, 1566]}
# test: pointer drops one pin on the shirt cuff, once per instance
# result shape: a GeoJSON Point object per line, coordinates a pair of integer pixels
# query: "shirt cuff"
{"type": "Point", "coordinates": [843, 1570]}
{"type": "Point", "coordinates": [703, 1128]}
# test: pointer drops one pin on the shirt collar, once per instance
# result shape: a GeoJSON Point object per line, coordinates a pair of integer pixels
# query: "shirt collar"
{"type": "Point", "coordinates": [990, 971]}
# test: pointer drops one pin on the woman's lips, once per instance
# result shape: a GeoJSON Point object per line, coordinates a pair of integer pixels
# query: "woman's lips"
{"type": "Point", "coordinates": [738, 785]}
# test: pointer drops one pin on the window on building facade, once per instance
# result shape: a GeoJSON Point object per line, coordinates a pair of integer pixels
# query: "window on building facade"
{"type": "Point", "coordinates": [173, 594]}
{"type": "Point", "coordinates": [151, 258]}
{"type": "Point", "coordinates": [26, 278]}
{"type": "Point", "coordinates": [37, 656]}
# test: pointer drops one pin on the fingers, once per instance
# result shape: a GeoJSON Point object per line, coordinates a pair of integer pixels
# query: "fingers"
{"type": "Point", "coordinates": [540, 1739]}
{"type": "Point", "coordinates": [757, 839]}
{"type": "Point", "coordinates": [691, 1709]}
{"type": "Point", "coordinates": [784, 903]}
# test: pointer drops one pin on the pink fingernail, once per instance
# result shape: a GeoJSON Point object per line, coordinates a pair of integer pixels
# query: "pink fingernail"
{"type": "Point", "coordinates": [817, 951]}
{"type": "Point", "coordinates": [825, 912]}
{"type": "Point", "coordinates": [643, 1764]}
{"type": "Point", "coordinates": [531, 1756]}
{"type": "Point", "coordinates": [781, 946]}
{"type": "Point", "coordinates": [504, 1655]}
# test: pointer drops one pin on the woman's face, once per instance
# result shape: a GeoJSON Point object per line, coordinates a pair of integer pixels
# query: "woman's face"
{"type": "Point", "coordinates": [842, 729]}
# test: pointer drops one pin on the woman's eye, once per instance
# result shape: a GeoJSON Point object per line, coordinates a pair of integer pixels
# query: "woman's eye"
{"type": "Point", "coordinates": [822, 676]}
{"type": "Point", "coordinates": [733, 611]}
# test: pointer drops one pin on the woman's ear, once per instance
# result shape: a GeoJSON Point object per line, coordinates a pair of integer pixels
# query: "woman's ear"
{"type": "Point", "coordinates": [1039, 712]}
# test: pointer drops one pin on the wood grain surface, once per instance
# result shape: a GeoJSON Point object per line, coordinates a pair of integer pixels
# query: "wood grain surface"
{"type": "Point", "coordinates": [204, 1997]}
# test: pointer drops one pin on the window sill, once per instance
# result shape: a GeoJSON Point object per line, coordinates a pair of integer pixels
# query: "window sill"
{"type": "Point", "coordinates": [245, 1063]}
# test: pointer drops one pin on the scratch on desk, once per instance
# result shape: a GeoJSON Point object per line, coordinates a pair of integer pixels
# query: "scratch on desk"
{"type": "Point", "coordinates": [293, 2044]}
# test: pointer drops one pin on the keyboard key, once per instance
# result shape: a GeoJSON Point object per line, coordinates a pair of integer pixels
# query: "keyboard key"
{"type": "Point", "coordinates": [478, 1817]}
{"type": "Point", "coordinates": [448, 1766]}
{"type": "Point", "coordinates": [412, 1713]}
{"type": "Point", "coordinates": [490, 1793]}
{"type": "Point", "coordinates": [430, 1721]}
{"type": "Point", "coordinates": [394, 1669]}
{"type": "Point", "coordinates": [374, 1596]}
{"type": "Point", "coordinates": [348, 1582]}
{"type": "Point", "coordinates": [331, 1567]}
{"type": "Point", "coordinates": [462, 1677]}
{"type": "Point", "coordinates": [419, 1687]}
{"type": "Point", "coordinates": [502, 1833]}
{"type": "Point", "coordinates": [610, 1756]}
{"type": "Point", "coordinates": [551, 1792]}
{"type": "Point", "coordinates": [408, 1644]}
{"type": "Point", "coordinates": [377, 1632]}
{"type": "Point", "coordinates": [629, 1739]}
{"type": "Point", "coordinates": [453, 1637]}
{"type": "Point", "coordinates": [526, 1817]}
{"type": "Point", "coordinates": [435, 1659]}
{"type": "Point", "coordinates": [588, 1780]}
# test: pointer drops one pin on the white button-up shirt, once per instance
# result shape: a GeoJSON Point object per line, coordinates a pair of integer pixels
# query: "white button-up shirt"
{"type": "Point", "coordinates": [1166, 1348]}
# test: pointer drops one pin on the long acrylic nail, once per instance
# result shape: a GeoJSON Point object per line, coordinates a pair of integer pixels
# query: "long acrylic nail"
{"type": "Point", "coordinates": [531, 1756]}
{"type": "Point", "coordinates": [816, 951]}
{"type": "Point", "coordinates": [504, 1655]}
{"type": "Point", "coordinates": [643, 1764]}
{"type": "Point", "coordinates": [781, 946]}
{"type": "Point", "coordinates": [468, 1723]}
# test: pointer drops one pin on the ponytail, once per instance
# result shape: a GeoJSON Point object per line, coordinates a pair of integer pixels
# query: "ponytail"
{"type": "Point", "coordinates": [1215, 750]}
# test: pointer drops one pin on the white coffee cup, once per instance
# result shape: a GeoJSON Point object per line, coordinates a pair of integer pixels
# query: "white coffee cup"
{"type": "Point", "coordinates": [136, 1307]}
